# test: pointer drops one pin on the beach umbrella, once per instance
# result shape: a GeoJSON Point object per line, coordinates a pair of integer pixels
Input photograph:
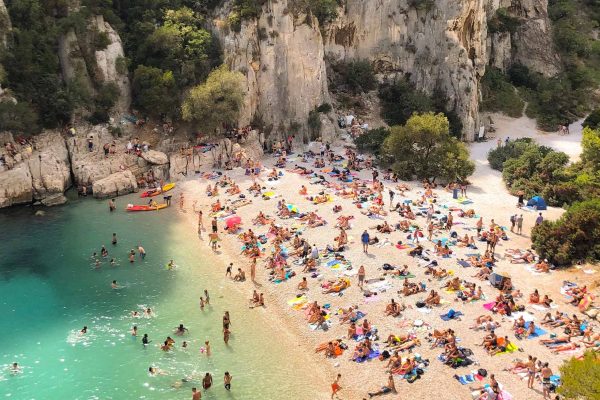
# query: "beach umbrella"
{"type": "Point", "coordinates": [233, 221]}
{"type": "Point", "coordinates": [292, 208]}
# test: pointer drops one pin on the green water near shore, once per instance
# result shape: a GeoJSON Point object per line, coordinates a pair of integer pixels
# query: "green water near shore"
{"type": "Point", "coordinates": [50, 290]}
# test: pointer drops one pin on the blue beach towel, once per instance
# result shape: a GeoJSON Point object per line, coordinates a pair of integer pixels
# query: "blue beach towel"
{"type": "Point", "coordinates": [538, 331]}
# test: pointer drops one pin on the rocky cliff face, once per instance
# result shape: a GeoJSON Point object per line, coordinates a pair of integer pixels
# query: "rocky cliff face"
{"type": "Point", "coordinates": [91, 67]}
{"type": "Point", "coordinates": [283, 59]}
{"type": "Point", "coordinates": [445, 45]}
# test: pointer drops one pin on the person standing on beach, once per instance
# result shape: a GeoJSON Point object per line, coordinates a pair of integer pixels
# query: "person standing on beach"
{"type": "Point", "coordinates": [361, 276]}
{"type": "Point", "coordinates": [228, 271]}
{"type": "Point", "coordinates": [520, 224]}
{"type": "Point", "coordinates": [214, 225]}
{"type": "Point", "coordinates": [253, 269]}
{"type": "Point", "coordinates": [430, 230]}
{"type": "Point", "coordinates": [479, 226]}
{"type": "Point", "coordinates": [335, 386]}
{"type": "Point", "coordinates": [364, 238]}
{"type": "Point", "coordinates": [513, 222]}
{"type": "Point", "coordinates": [181, 201]}
{"type": "Point", "coordinates": [391, 193]}
{"type": "Point", "coordinates": [539, 219]}
{"type": "Point", "coordinates": [546, 373]}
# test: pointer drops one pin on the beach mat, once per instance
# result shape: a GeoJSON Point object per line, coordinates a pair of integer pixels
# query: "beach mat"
{"type": "Point", "coordinates": [538, 331]}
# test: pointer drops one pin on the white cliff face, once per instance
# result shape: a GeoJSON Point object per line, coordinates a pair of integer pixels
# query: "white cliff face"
{"type": "Point", "coordinates": [116, 184]}
{"type": "Point", "coordinates": [531, 44]}
{"type": "Point", "coordinates": [5, 24]}
{"type": "Point", "coordinates": [445, 47]}
{"type": "Point", "coordinates": [283, 60]}
{"type": "Point", "coordinates": [108, 61]}
{"type": "Point", "coordinates": [50, 168]}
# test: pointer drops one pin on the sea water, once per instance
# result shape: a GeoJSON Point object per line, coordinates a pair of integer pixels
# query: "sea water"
{"type": "Point", "coordinates": [50, 289]}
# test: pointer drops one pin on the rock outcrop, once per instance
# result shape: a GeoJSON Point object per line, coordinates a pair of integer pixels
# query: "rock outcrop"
{"type": "Point", "coordinates": [116, 184]}
{"type": "Point", "coordinates": [155, 157]}
{"type": "Point", "coordinates": [15, 186]}
{"type": "Point", "coordinates": [50, 168]}
{"type": "Point", "coordinates": [531, 42]}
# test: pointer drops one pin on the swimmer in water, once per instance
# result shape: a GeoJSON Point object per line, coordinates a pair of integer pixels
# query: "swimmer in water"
{"type": "Point", "coordinates": [97, 263]}
{"type": "Point", "coordinates": [83, 331]}
{"type": "Point", "coordinates": [180, 330]}
{"type": "Point", "coordinates": [155, 371]}
{"type": "Point", "coordinates": [114, 239]}
{"type": "Point", "coordinates": [104, 252]}
{"type": "Point", "coordinates": [227, 380]}
{"type": "Point", "coordinates": [201, 303]}
{"type": "Point", "coordinates": [134, 331]}
{"type": "Point", "coordinates": [148, 312]}
{"type": "Point", "coordinates": [207, 297]}
{"type": "Point", "coordinates": [207, 344]}
{"type": "Point", "coordinates": [226, 334]}
{"type": "Point", "coordinates": [112, 261]}
{"type": "Point", "coordinates": [132, 256]}
{"type": "Point", "coordinates": [184, 345]}
{"type": "Point", "coordinates": [207, 381]}
{"type": "Point", "coordinates": [114, 285]}
{"type": "Point", "coordinates": [15, 368]}
{"type": "Point", "coordinates": [135, 314]}
{"type": "Point", "coordinates": [141, 251]}
{"type": "Point", "coordinates": [171, 265]}
{"type": "Point", "coordinates": [145, 340]}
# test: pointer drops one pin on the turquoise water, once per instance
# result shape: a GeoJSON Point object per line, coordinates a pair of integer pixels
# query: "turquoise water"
{"type": "Point", "coordinates": [50, 290]}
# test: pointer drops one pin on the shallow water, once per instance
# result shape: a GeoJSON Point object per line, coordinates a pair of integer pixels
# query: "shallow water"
{"type": "Point", "coordinates": [50, 290]}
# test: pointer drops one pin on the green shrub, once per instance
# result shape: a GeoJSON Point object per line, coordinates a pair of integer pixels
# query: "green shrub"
{"type": "Point", "coordinates": [18, 118]}
{"type": "Point", "coordinates": [314, 124]}
{"type": "Point", "coordinates": [355, 76]}
{"type": "Point", "coordinates": [498, 95]}
{"type": "Point", "coordinates": [580, 378]}
{"type": "Point", "coordinates": [593, 119]}
{"type": "Point", "coordinates": [372, 140]}
{"type": "Point", "coordinates": [502, 21]}
{"type": "Point", "coordinates": [101, 41]}
{"type": "Point", "coordinates": [324, 108]}
{"type": "Point", "coordinates": [425, 5]}
{"type": "Point", "coordinates": [574, 236]}
{"type": "Point", "coordinates": [513, 149]}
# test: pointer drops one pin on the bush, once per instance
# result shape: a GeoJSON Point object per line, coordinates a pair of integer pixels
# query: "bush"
{"type": "Point", "coordinates": [154, 91]}
{"type": "Point", "coordinates": [580, 379]}
{"type": "Point", "coordinates": [573, 237]}
{"type": "Point", "coordinates": [18, 118]}
{"type": "Point", "coordinates": [355, 76]}
{"type": "Point", "coordinates": [423, 148]}
{"type": "Point", "coordinates": [372, 140]}
{"type": "Point", "coordinates": [592, 120]}
{"type": "Point", "coordinates": [498, 95]}
{"type": "Point", "coordinates": [101, 41]}
{"type": "Point", "coordinates": [502, 21]}
{"type": "Point", "coordinates": [324, 108]}
{"type": "Point", "coordinates": [513, 149]}
{"type": "Point", "coordinates": [314, 124]}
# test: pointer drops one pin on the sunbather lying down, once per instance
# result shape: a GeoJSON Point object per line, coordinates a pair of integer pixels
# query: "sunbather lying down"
{"type": "Point", "coordinates": [341, 284]}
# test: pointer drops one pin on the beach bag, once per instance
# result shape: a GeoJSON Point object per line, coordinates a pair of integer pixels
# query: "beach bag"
{"type": "Point", "coordinates": [420, 304]}
{"type": "Point", "coordinates": [482, 372]}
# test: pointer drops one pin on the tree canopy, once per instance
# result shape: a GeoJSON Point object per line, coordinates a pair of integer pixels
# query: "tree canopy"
{"type": "Point", "coordinates": [216, 101]}
{"type": "Point", "coordinates": [423, 148]}
{"type": "Point", "coordinates": [581, 378]}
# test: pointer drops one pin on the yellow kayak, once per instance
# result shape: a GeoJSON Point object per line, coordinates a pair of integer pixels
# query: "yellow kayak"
{"type": "Point", "coordinates": [144, 207]}
{"type": "Point", "coordinates": [156, 192]}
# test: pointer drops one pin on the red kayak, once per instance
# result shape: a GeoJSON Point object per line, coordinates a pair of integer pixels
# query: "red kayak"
{"type": "Point", "coordinates": [157, 191]}
{"type": "Point", "coordinates": [146, 207]}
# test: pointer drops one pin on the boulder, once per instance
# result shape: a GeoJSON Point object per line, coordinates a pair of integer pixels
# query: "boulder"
{"type": "Point", "coordinates": [116, 184]}
{"type": "Point", "coordinates": [155, 157]}
{"type": "Point", "coordinates": [50, 168]}
{"type": "Point", "coordinates": [15, 186]}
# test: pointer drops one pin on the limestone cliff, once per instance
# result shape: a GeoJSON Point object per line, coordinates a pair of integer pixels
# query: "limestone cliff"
{"type": "Point", "coordinates": [443, 44]}
{"type": "Point", "coordinates": [283, 59]}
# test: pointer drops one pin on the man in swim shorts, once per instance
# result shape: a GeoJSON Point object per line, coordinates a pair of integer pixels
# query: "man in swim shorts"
{"type": "Point", "coordinates": [389, 388]}
{"type": "Point", "coordinates": [227, 380]}
{"type": "Point", "coordinates": [335, 386]}
{"type": "Point", "coordinates": [207, 381]}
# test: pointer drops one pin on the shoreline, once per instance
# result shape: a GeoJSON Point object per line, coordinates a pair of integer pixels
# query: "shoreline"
{"type": "Point", "coordinates": [357, 379]}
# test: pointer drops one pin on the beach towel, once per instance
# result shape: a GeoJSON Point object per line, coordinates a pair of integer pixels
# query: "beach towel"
{"type": "Point", "coordinates": [465, 379]}
{"type": "Point", "coordinates": [451, 314]}
{"type": "Point", "coordinates": [538, 331]}
{"type": "Point", "coordinates": [464, 263]}
{"type": "Point", "coordinates": [511, 348]}
{"type": "Point", "coordinates": [404, 276]}
{"type": "Point", "coordinates": [489, 306]}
